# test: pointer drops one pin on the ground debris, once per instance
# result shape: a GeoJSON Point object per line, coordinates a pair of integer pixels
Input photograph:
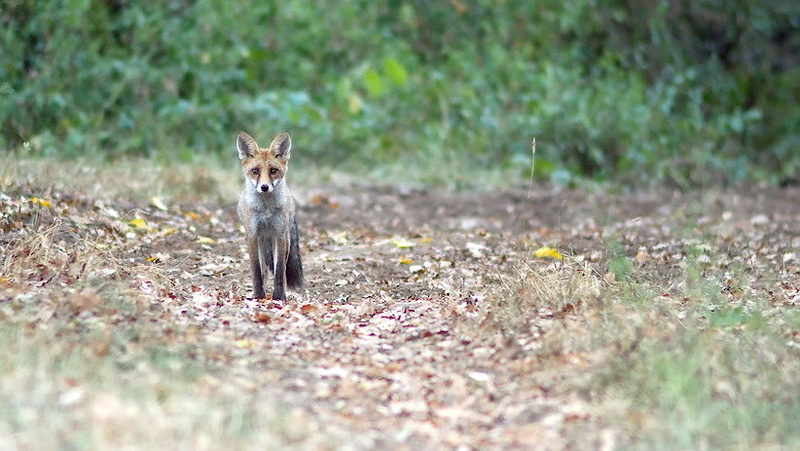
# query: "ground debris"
{"type": "Point", "coordinates": [454, 323]}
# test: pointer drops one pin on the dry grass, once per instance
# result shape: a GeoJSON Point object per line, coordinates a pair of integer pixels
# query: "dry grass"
{"type": "Point", "coordinates": [95, 355]}
{"type": "Point", "coordinates": [105, 351]}
{"type": "Point", "coordinates": [681, 370]}
{"type": "Point", "coordinates": [210, 179]}
{"type": "Point", "coordinates": [93, 361]}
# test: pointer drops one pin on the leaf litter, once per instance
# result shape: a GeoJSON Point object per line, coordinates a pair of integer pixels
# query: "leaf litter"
{"type": "Point", "coordinates": [423, 341]}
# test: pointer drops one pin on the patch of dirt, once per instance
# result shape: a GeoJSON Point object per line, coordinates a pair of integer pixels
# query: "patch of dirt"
{"type": "Point", "coordinates": [352, 235]}
{"type": "Point", "coordinates": [372, 350]}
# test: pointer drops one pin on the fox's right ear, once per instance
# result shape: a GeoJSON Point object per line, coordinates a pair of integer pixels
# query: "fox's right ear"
{"type": "Point", "coordinates": [246, 145]}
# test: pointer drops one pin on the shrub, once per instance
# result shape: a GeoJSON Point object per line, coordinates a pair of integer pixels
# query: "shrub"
{"type": "Point", "coordinates": [662, 91]}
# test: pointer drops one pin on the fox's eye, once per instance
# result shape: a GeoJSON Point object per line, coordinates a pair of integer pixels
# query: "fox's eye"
{"type": "Point", "coordinates": [255, 171]}
{"type": "Point", "coordinates": [273, 171]}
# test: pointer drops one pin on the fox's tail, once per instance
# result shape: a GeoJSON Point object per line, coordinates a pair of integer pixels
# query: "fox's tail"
{"type": "Point", "coordinates": [294, 267]}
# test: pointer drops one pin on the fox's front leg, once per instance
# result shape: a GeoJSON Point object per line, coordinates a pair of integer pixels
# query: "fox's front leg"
{"type": "Point", "coordinates": [255, 268]}
{"type": "Point", "coordinates": [281, 255]}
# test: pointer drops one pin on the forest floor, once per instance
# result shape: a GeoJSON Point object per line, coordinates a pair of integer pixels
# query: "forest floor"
{"type": "Point", "coordinates": [512, 319]}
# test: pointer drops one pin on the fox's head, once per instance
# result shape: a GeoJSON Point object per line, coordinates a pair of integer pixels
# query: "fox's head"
{"type": "Point", "coordinates": [264, 168]}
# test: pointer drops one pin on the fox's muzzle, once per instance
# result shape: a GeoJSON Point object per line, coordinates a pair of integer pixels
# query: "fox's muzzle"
{"type": "Point", "coordinates": [268, 187]}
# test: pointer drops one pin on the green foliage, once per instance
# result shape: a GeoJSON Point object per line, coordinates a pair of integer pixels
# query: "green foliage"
{"type": "Point", "coordinates": [618, 262]}
{"type": "Point", "coordinates": [713, 391]}
{"type": "Point", "coordinates": [664, 91]}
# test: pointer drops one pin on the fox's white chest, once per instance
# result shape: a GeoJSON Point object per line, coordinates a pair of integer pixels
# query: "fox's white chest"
{"type": "Point", "coordinates": [267, 209]}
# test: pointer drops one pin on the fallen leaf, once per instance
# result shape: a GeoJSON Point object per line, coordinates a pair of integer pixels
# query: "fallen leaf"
{"type": "Point", "coordinates": [168, 231]}
{"type": "Point", "coordinates": [262, 317]}
{"type": "Point", "coordinates": [72, 396]}
{"type": "Point", "coordinates": [339, 238]}
{"type": "Point", "coordinates": [479, 376]}
{"type": "Point", "coordinates": [39, 201]}
{"type": "Point", "coordinates": [138, 223]}
{"type": "Point", "coordinates": [156, 202]}
{"type": "Point", "coordinates": [544, 252]}
{"type": "Point", "coordinates": [319, 199]}
{"type": "Point", "coordinates": [476, 249]}
{"type": "Point", "coordinates": [206, 240]}
{"type": "Point", "coordinates": [403, 243]}
{"type": "Point", "coordinates": [245, 343]}
{"type": "Point", "coordinates": [403, 260]}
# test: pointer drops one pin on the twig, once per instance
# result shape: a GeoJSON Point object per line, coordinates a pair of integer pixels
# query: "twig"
{"type": "Point", "coordinates": [533, 165]}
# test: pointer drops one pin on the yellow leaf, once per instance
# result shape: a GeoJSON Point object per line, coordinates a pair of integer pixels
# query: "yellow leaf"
{"type": "Point", "coordinates": [192, 215]}
{"type": "Point", "coordinates": [206, 240]}
{"type": "Point", "coordinates": [426, 240]}
{"type": "Point", "coordinates": [339, 238]}
{"type": "Point", "coordinates": [138, 223]}
{"type": "Point", "coordinates": [544, 252]}
{"type": "Point", "coordinates": [405, 260]}
{"type": "Point", "coordinates": [153, 259]}
{"type": "Point", "coordinates": [403, 243]}
{"type": "Point", "coordinates": [156, 202]}
{"type": "Point", "coordinates": [168, 231]}
{"type": "Point", "coordinates": [41, 202]}
{"type": "Point", "coordinates": [245, 343]}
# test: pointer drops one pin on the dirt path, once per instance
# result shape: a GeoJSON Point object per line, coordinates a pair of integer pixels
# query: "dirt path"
{"type": "Point", "coordinates": [393, 342]}
{"type": "Point", "coordinates": [382, 342]}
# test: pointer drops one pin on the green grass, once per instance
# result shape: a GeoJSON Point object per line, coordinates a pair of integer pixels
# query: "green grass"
{"type": "Point", "coordinates": [697, 368]}
{"type": "Point", "coordinates": [715, 389]}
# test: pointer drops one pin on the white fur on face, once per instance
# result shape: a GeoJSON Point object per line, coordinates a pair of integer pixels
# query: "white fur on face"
{"type": "Point", "coordinates": [264, 188]}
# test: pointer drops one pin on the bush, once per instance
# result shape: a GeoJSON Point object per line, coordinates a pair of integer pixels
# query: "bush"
{"type": "Point", "coordinates": [663, 91]}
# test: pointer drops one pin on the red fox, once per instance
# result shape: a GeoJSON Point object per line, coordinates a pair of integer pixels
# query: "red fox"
{"type": "Point", "coordinates": [267, 211]}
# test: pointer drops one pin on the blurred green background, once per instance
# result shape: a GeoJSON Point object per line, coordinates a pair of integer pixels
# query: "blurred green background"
{"type": "Point", "coordinates": [686, 92]}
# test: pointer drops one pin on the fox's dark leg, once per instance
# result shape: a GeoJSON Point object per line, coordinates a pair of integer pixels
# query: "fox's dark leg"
{"type": "Point", "coordinates": [255, 268]}
{"type": "Point", "coordinates": [281, 255]}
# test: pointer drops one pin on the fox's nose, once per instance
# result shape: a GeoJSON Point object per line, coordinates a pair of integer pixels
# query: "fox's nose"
{"type": "Point", "coordinates": [265, 188]}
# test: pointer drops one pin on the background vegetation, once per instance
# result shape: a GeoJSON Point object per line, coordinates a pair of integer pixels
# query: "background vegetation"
{"type": "Point", "coordinates": [683, 92]}
{"type": "Point", "coordinates": [431, 320]}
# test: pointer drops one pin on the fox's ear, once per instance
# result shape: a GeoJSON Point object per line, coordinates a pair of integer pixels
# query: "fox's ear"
{"type": "Point", "coordinates": [246, 145]}
{"type": "Point", "coordinates": [282, 145]}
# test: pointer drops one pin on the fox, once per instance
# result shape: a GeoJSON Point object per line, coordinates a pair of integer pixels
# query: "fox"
{"type": "Point", "coordinates": [267, 211]}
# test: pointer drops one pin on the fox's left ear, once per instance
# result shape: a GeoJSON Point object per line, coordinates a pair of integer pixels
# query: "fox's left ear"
{"type": "Point", "coordinates": [282, 145]}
